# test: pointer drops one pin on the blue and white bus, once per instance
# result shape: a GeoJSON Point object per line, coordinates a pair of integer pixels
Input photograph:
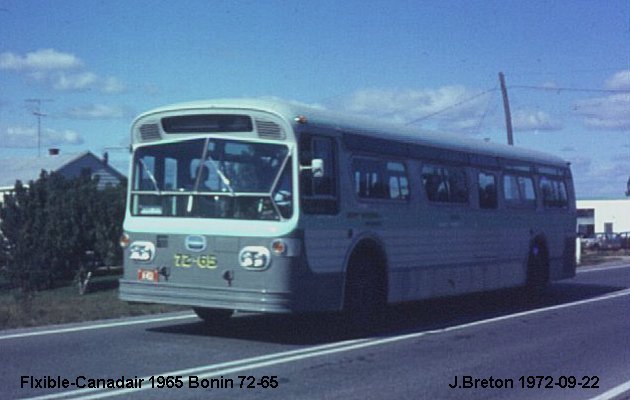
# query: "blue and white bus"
{"type": "Point", "coordinates": [267, 206]}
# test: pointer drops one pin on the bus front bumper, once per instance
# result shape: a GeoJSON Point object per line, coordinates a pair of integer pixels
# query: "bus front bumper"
{"type": "Point", "coordinates": [208, 297]}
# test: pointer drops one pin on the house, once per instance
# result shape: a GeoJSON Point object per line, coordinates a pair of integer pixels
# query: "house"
{"type": "Point", "coordinates": [608, 216]}
{"type": "Point", "coordinates": [68, 165]}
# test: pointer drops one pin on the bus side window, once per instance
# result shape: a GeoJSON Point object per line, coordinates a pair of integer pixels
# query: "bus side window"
{"type": "Point", "coordinates": [458, 189]}
{"type": "Point", "coordinates": [518, 191]}
{"type": "Point", "coordinates": [510, 189]}
{"type": "Point", "coordinates": [554, 192]}
{"type": "Point", "coordinates": [398, 181]}
{"type": "Point", "coordinates": [445, 184]}
{"type": "Point", "coordinates": [380, 179]}
{"type": "Point", "coordinates": [528, 194]}
{"type": "Point", "coordinates": [431, 180]}
{"type": "Point", "coordinates": [319, 194]}
{"type": "Point", "coordinates": [487, 190]}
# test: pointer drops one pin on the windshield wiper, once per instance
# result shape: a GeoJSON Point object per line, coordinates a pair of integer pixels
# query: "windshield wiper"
{"type": "Point", "coordinates": [206, 156]}
{"type": "Point", "coordinates": [151, 177]}
{"type": "Point", "coordinates": [224, 178]}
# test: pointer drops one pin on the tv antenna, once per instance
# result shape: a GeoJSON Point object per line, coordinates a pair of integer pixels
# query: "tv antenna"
{"type": "Point", "coordinates": [38, 113]}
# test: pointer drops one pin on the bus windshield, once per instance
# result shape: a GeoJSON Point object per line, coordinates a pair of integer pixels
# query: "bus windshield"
{"type": "Point", "coordinates": [212, 178]}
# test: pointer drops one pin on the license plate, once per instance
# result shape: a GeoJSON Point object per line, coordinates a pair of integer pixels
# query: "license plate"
{"type": "Point", "coordinates": [150, 275]}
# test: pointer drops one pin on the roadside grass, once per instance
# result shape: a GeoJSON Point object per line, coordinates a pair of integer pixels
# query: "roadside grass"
{"type": "Point", "coordinates": [65, 305]}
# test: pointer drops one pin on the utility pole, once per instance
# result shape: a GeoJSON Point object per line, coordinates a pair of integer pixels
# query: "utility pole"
{"type": "Point", "coordinates": [38, 113]}
{"type": "Point", "coordinates": [506, 109]}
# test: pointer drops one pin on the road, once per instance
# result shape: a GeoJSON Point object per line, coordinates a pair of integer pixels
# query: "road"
{"type": "Point", "coordinates": [575, 338]}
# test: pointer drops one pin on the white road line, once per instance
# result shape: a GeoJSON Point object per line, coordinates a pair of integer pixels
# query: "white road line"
{"type": "Point", "coordinates": [614, 392]}
{"type": "Point", "coordinates": [97, 326]}
{"type": "Point", "coordinates": [232, 367]}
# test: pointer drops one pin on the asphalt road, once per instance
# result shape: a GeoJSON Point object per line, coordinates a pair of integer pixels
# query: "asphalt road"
{"type": "Point", "coordinates": [570, 344]}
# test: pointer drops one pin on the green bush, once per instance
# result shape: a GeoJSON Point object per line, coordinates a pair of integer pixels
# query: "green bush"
{"type": "Point", "coordinates": [49, 227]}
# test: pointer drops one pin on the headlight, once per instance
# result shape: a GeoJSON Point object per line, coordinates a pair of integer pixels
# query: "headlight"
{"type": "Point", "coordinates": [254, 257]}
{"type": "Point", "coordinates": [279, 247]}
{"type": "Point", "coordinates": [124, 240]}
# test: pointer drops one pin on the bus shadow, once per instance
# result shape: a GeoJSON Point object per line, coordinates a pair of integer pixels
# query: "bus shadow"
{"type": "Point", "coordinates": [435, 314]}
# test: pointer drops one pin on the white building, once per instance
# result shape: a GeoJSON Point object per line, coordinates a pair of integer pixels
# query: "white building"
{"type": "Point", "coordinates": [596, 216]}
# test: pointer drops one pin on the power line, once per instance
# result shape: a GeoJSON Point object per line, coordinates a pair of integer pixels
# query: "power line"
{"type": "Point", "coordinates": [563, 72]}
{"type": "Point", "coordinates": [568, 89]}
{"type": "Point", "coordinates": [459, 103]}
{"type": "Point", "coordinates": [489, 105]}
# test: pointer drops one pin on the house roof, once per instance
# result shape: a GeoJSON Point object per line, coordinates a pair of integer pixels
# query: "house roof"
{"type": "Point", "coordinates": [70, 165]}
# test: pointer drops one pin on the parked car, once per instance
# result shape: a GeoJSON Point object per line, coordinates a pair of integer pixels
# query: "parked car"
{"type": "Point", "coordinates": [588, 243]}
{"type": "Point", "coordinates": [625, 240]}
{"type": "Point", "coordinates": [608, 241]}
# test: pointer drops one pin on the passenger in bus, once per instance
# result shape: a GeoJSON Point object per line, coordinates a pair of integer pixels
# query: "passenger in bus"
{"type": "Point", "coordinates": [199, 174]}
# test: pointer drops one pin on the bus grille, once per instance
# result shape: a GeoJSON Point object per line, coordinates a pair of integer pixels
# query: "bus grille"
{"type": "Point", "coordinates": [269, 129]}
{"type": "Point", "coordinates": [149, 132]}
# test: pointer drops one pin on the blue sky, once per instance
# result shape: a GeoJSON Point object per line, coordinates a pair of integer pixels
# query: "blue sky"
{"type": "Point", "coordinates": [97, 64]}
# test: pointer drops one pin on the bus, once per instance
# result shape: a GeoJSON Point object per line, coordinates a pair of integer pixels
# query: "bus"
{"type": "Point", "coordinates": [275, 207]}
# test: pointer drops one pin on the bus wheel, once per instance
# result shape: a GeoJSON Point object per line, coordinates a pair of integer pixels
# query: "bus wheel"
{"type": "Point", "coordinates": [213, 316]}
{"type": "Point", "coordinates": [365, 294]}
{"type": "Point", "coordinates": [537, 270]}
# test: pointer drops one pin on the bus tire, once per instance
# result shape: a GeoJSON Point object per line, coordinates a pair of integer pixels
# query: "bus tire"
{"type": "Point", "coordinates": [365, 296]}
{"type": "Point", "coordinates": [537, 270]}
{"type": "Point", "coordinates": [213, 316]}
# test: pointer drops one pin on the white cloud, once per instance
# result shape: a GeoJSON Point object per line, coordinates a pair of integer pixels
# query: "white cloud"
{"type": "Point", "coordinates": [534, 121]}
{"type": "Point", "coordinates": [597, 178]}
{"type": "Point", "coordinates": [61, 71]}
{"type": "Point", "coordinates": [611, 112]}
{"type": "Point", "coordinates": [113, 85]}
{"type": "Point", "coordinates": [26, 137]}
{"type": "Point", "coordinates": [64, 137]}
{"type": "Point", "coordinates": [96, 111]}
{"type": "Point", "coordinates": [80, 81]}
{"type": "Point", "coordinates": [619, 81]}
{"type": "Point", "coordinates": [451, 107]}
{"type": "Point", "coordinates": [40, 60]}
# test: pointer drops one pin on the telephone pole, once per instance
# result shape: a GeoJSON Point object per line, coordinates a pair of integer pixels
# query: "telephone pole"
{"type": "Point", "coordinates": [506, 109]}
{"type": "Point", "coordinates": [38, 113]}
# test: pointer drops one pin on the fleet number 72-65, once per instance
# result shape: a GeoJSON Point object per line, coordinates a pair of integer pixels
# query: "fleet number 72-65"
{"type": "Point", "coordinates": [204, 261]}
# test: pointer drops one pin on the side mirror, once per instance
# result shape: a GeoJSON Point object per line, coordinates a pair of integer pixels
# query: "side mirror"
{"type": "Point", "coordinates": [317, 167]}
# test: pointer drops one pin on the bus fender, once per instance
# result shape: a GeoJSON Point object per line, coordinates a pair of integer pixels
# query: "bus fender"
{"type": "Point", "coordinates": [370, 246]}
{"type": "Point", "coordinates": [365, 241]}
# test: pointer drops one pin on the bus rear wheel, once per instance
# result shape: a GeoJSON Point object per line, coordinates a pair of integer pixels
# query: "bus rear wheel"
{"type": "Point", "coordinates": [213, 316]}
{"type": "Point", "coordinates": [365, 297]}
{"type": "Point", "coordinates": [537, 270]}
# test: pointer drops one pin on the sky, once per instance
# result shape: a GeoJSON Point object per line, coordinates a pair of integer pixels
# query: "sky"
{"type": "Point", "coordinates": [89, 67]}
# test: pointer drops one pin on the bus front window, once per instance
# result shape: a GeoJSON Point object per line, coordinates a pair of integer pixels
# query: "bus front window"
{"type": "Point", "coordinates": [213, 178]}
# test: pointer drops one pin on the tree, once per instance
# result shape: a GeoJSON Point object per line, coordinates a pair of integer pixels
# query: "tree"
{"type": "Point", "coordinates": [50, 226]}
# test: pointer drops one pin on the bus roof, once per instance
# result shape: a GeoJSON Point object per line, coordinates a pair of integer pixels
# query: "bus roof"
{"type": "Point", "coordinates": [367, 127]}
